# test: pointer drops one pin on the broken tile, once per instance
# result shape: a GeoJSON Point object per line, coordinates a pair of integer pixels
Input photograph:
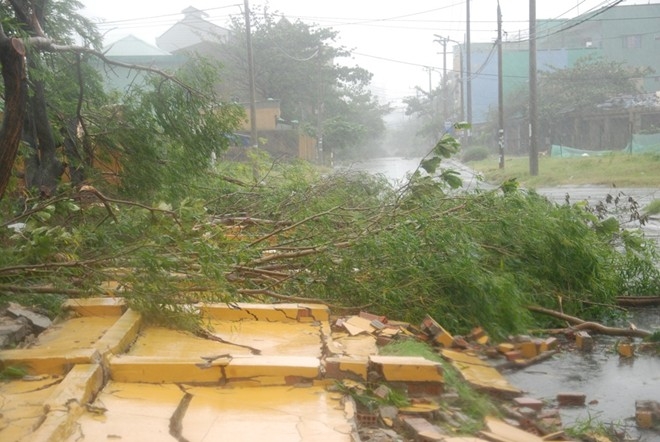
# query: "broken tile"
{"type": "Point", "coordinates": [406, 368]}
{"type": "Point", "coordinates": [571, 399]}
{"type": "Point", "coordinates": [584, 341]}
{"type": "Point", "coordinates": [529, 402]}
{"type": "Point", "coordinates": [435, 331]}
{"type": "Point", "coordinates": [528, 349]}
{"type": "Point", "coordinates": [625, 349]}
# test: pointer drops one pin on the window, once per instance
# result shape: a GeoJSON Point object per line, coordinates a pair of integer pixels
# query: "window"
{"type": "Point", "coordinates": [632, 41]}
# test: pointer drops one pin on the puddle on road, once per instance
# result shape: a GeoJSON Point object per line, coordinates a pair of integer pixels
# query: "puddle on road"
{"type": "Point", "coordinates": [611, 384]}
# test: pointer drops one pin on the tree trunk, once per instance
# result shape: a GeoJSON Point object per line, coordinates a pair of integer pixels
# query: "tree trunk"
{"type": "Point", "coordinates": [12, 57]}
{"type": "Point", "coordinates": [42, 169]}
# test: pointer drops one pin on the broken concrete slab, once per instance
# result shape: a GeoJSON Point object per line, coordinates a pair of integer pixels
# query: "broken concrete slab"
{"type": "Point", "coordinates": [403, 368]}
{"type": "Point", "coordinates": [436, 332]}
{"type": "Point", "coordinates": [422, 428]}
{"type": "Point", "coordinates": [481, 375]}
{"type": "Point", "coordinates": [13, 331]}
{"type": "Point", "coordinates": [38, 321]}
{"type": "Point", "coordinates": [346, 367]}
{"type": "Point", "coordinates": [272, 413]}
{"type": "Point", "coordinates": [241, 311]}
{"type": "Point", "coordinates": [22, 406]}
{"type": "Point", "coordinates": [498, 430]}
{"type": "Point", "coordinates": [130, 412]}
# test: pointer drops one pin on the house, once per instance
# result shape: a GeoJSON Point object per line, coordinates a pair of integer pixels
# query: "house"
{"type": "Point", "coordinates": [191, 31]}
{"type": "Point", "coordinates": [131, 50]}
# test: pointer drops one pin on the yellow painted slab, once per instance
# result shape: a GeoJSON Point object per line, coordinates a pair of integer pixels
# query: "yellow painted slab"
{"type": "Point", "coordinates": [269, 338]}
{"type": "Point", "coordinates": [347, 365]}
{"type": "Point", "coordinates": [81, 384]}
{"type": "Point", "coordinates": [405, 368]}
{"type": "Point", "coordinates": [121, 334]}
{"type": "Point", "coordinates": [105, 306]}
{"type": "Point", "coordinates": [48, 361]}
{"type": "Point", "coordinates": [75, 333]}
{"type": "Point", "coordinates": [22, 406]}
{"type": "Point", "coordinates": [159, 370]}
{"type": "Point", "coordinates": [267, 369]}
{"type": "Point", "coordinates": [67, 402]}
{"type": "Point", "coordinates": [266, 312]}
{"type": "Point", "coordinates": [271, 414]}
{"type": "Point", "coordinates": [479, 373]}
{"type": "Point", "coordinates": [355, 346]}
{"type": "Point", "coordinates": [508, 432]}
{"type": "Point", "coordinates": [130, 412]}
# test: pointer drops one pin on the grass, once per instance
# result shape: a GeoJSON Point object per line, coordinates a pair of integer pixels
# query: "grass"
{"type": "Point", "coordinates": [474, 404]}
{"type": "Point", "coordinates": [616, 169]}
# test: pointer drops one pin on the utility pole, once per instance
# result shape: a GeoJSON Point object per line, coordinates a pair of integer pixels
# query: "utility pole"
{"type": "Point", "coordinates": [500, 87]}
{"type": "Point", "coordinates": [253, 105]}
{"type": "Point", "coordinates": [468, 71]}
{"type": "Point", "coordinates": [533, 103]}
{"type": "Point", "coordinates": [443, 41]}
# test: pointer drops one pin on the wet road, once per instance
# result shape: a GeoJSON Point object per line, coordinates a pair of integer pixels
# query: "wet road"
{"type": "Point", "coordinates": [396, 169]}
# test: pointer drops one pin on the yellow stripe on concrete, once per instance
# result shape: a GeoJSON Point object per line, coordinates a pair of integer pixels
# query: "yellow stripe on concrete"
{"type": "Point", "coordinates": [46, 361]}
{"type": "Point", "coordinates": [162, 370]}
{"type": "Point", "coordinates": [406, 369]}
{"type": "Point", "coordinates": [121, 335]}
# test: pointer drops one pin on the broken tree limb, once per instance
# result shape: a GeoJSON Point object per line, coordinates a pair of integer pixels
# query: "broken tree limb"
{"type": "Point", "coordinates": [638, 301]}
{"type": "Point", "coordinates": [579, 324]}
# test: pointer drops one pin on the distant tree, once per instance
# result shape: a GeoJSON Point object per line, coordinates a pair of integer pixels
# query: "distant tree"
{"type": "Point", "coordinates": [577, 89]}
{"type": "Point", "coordinates": [296, 64]}
{"type": "Point", "coordinates": [426, 106]}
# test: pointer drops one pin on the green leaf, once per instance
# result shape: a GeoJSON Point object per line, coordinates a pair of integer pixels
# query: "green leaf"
{"type": "Point", "coordinates": [452, 178]}
{"type": "Point", "coordinates": [430, 165]}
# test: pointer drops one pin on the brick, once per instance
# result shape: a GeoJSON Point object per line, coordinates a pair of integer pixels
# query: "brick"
{"type": "Point", "coordinates": [644, 419]}
{"type": "Point", "coordinates": [423, 429]}
{"type": "Point", "coordinates": [505, 347]}
{"type": "Point", "coordinates": [625, 350]}
{"type": "Point", "coordinates": [424, 389]}
{"type": "Point", "coordinates": [548, 344]}
{"type": "Point", "coordinates": [567, 399]}
{"type": "Point", "coordinates": [513, 355]}
{"type": "Point", "coordinates": [584, 341]}
{"type": "Point", "coordinates": [439, 335]}
{"type": "Point", "coordinates": [528, 349]}
{"type": "Point", "coordinates": [529, 402]}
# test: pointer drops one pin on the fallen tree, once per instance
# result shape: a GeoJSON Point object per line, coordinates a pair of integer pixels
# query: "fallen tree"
{"type": "Point", "coordinates": [579, 324]}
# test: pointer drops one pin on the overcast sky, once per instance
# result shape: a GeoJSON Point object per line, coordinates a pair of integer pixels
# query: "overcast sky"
{"type": "Point", "coordinates": [392, 39]}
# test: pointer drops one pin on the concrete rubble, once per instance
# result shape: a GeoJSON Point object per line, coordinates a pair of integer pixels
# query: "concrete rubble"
{"type": "Point", "coordinates": [277, 371]}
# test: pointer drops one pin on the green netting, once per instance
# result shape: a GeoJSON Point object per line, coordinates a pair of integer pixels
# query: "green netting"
{"type": "Point", "coordinates": [644, 143]}
{"type": "Point", "coordinates": [641, 143]}
{"type": "Point", "coordinates": [570, 152]}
